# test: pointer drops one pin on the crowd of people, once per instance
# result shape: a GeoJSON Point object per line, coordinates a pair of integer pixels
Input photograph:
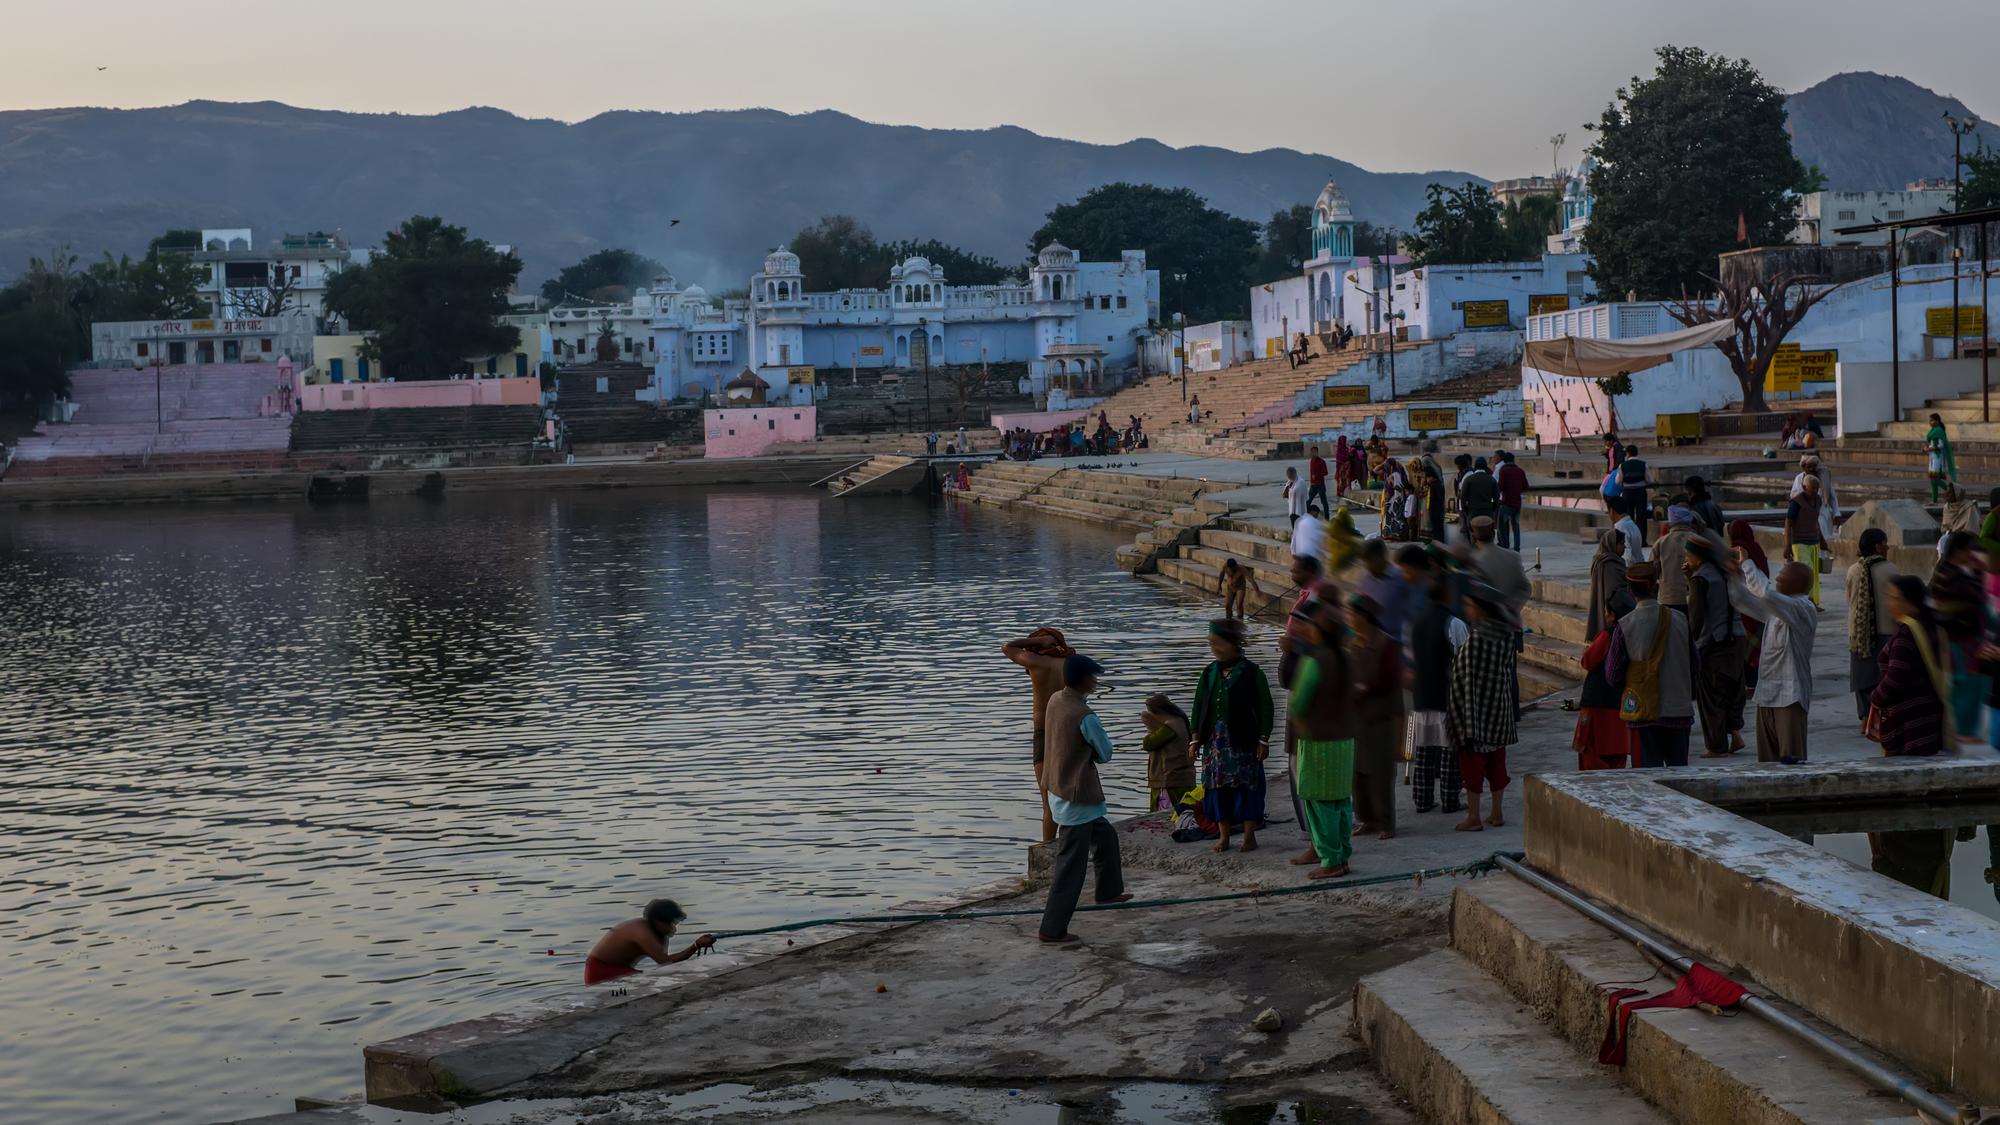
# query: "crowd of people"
{"type": "Point", "coordinates": [1076, 439]}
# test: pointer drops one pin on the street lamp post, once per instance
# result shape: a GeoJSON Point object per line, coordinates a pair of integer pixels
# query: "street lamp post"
{"type": "Point", "coordinates": [923, 326]}
{"type": "Point", "coordinates": [1959, 128]}
{"type": "Point", "coordinates": [1180, 330]}
{"type": "Point", "coordinates": [1389, 321]}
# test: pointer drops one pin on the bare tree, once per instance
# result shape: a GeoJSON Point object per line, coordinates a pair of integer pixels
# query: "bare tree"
{"type": "Point", "coordinates": [1765, 300]}
{"type": "Point", "coordinates": [966, 382]}
{"type": "Point", "coordinates": [277, 296]}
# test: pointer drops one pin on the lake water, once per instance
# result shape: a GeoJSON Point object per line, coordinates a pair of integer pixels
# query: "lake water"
{"type": "Point", "coordinates": [281, 781]}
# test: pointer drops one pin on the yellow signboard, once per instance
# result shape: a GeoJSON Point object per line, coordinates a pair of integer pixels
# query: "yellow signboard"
{"type": "Point", "coordinates": [1528, 418]}
{"type": "Point", "coordinates": [871, 349]}
{"type": "Point", "coordinates": [802, 376]}
{"type": "Point", "coordinates": [1817, 367]}
{"type": "Point", "coordinates": [1783, 373]}
{"type": "Point", "coordinates": [1971, 321]}
{"type": "Point", "coordinates": [1435, 417]}
{"type": "Point", "coordinates": [1343, 396]}
{"type": "Point", "coordinates": [1547, 303]}
{"type": "Point", "coordinates": [1486, 314]}
{"type": "Point", "coordinates": [209, 325]}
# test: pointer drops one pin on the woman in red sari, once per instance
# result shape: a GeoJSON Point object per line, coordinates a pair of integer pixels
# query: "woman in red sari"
{"type": "Point", "coordinates": [1602, 740]}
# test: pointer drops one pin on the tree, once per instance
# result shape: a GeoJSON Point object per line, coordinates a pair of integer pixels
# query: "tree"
{"type": "Point", "coordinates": [1765, 299]}
{"type": "Point", "coordinates": [839, 253]}
{"type": "Point", "coordinates": [607, 342]}
{"type": "Point", "coordinates": [1981, 183]}
{"type": "Point", "coordinates": [606, 277]}
{"type": "Point", "coordinates": [1530, 221]}
{"type": "Point", "coordinates": [165, 284]}
{"type": "Point", "coordinates": [1287, 245]}
{"type": "Point", "coordinates": [277, 296]}
{"type": "Point", "coordinates": [1459, 225]}
{"type": "Point", "coordinates": [431, 299]}
{"type": "Point", "coordinates": [44, 329]}
{"type": "Point", "coordinates": [1179, 232]}
{"type": "Point", "coordinates": [1371, 241]}
{"type": "Point", "coordinates": [1684, 157]}
{"type": "Point", "coordinates": [961, 267]}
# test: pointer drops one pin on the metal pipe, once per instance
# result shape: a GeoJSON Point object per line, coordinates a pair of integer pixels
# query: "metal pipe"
{"type": "Point", "coordinates": [1879, 1076]}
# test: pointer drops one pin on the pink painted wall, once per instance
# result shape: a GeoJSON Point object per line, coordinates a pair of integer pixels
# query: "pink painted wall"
{"type": "Point", "coordinates": [1040, 422]}
{"type": "Point", "coordinates": [441, 392]}
{"type": "Point", "coordinates": [746, 431]}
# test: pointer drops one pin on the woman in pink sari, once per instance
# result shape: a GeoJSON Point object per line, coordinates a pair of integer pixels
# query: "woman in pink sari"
{"type": "Point", "coordinates": [1343, 467]}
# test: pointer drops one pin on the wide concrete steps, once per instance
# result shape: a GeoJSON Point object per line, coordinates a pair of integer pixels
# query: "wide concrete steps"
{"type": "Point", "coordinates": [1263, 593]}
{"type": "Point", "coordinates": [1462, 1050]}
{"type": "Point", "coordinates": [1531, 950]}
{"type": "Point", "coordinates": [884, 472]}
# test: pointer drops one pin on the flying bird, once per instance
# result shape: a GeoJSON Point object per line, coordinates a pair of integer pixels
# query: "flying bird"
{"type": "Point", "coordinates": [670, 222]}
{"type": "Point", "coordinates": [104, 68]}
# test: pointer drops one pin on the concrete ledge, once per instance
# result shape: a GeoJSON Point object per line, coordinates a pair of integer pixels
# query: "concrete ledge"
{"type": "Point", "coordinates": [1911, 975]}
{"type": "Point", "coordinates": [478, 1057]}
{"type": "Point", "coordinates": [1463, 1051]}
{"type": "Point", "coordinates": [1698, 1068]}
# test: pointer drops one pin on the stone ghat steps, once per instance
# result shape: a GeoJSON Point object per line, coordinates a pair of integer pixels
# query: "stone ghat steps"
{"type": "Point", "coordinates": [325, 431]}
{"type": "Point", "coordinates": [876, 469]}
{"type": "Point", "coordinates": [1123, 500]}
{"type": "Point", "coordinates": [1505, 1023]}
{"type": "Point", "coordinates": [910, 443]}
{"type": "Point", "coordinates": [1228, 396]}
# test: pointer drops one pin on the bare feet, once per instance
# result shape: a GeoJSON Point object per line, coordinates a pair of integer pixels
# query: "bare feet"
{"type": "Point", "coordinates": [1249, 843]}
{"type": "Point", "coordinates": [1327, 872]}
{"type": "Point", "coordinates": [1222, 845]}
{"type": "Point", "coordinates": [1469, 824]}
{"type": "Point", "coordinates": [1305, 858]}
{"type": "Point", "coordinates": [1735, 741]}
{"type": "Point", "coordinates": [1720, 753]}
{"type": "Point", "coordinates": [1495, 820]}
{"type": "Point", "coordinates": [1385, 836]}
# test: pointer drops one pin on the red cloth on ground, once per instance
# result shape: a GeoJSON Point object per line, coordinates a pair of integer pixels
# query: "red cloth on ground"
{"type": "Point", "coordinates": [1701, 985]}
{"type": "Point", "coordinates": [596, 971]}
{"type": "Point", "coordinates": [1477, 770]}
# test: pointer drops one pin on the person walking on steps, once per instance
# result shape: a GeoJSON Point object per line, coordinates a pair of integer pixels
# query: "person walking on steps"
{"type": "Point", "coordinates": [1512, 480]}
{"type": "Point", "coordinates": [1084, 835]}
{"type": "Point", "coordinates": [1316, 477]}
{"type": "Point", "coordinates": [1942, 465]}
{"type": "Point", "coordinates": [1482, 704]}
{"type": "Point", "coordinates": [1803, 541]}
{"type": "Point", "coordinates": [1232, 732]}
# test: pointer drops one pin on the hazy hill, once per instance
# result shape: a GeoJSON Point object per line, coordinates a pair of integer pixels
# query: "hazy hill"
{"type": "Point", "coordinates": [740, 181]}
{"type": "Point", "coordinates": [1876, 131]}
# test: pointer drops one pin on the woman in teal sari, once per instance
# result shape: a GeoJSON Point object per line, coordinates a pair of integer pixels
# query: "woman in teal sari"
{"type": "Point", "coordinates": [1943, 467]}
{"type": "Point", "coordinates": [1232, 732]}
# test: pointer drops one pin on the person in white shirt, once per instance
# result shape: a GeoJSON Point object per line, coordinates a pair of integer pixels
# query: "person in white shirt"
{"type": "Point", "coordinates": [1784, 671]}
{"type": "Point", "coordinates": [1309, 536]}
{"type": "Point", "coordinates": [1635, 540]}
{"type": "Point", "coordinates": [1295, 496]}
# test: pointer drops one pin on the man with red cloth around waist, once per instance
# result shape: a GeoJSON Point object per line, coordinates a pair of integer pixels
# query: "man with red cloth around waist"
{"type": "Point", "coordinates": [617, 953]}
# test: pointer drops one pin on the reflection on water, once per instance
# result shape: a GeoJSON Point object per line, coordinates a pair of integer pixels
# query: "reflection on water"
{"type": "Point", "coordinates": [282, 781]}
{"type": "Point", "coordinates": [1950, 849]}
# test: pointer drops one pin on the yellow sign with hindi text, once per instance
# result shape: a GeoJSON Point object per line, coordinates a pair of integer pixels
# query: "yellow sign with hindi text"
{"type": "Point", "coordinates": [1434, 418]}
{"type": "Point", "coordinates": [1971, 321]}
{"type": "Point", "coordinates": [1539, 303]}
{"type": "Point", "coordinates": [1486, 314]}
{"type": "Point", "coordinates": [1343, 396]}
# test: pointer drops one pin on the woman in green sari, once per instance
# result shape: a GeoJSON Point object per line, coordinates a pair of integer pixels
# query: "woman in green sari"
{"type": "Point", "coordinates": [1322, 712]}
{"type": "Point", "coordinates": [1943, 467]}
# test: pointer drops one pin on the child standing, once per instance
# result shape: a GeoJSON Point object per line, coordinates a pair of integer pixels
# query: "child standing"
{"type": "Point", "coordinates": [1169, 766]}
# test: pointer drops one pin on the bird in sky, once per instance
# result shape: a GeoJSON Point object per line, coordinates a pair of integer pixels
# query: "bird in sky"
{"type": "Point", "coordinates": [103, 68]}
{"type": "Point", "coordinates": [673, 222]}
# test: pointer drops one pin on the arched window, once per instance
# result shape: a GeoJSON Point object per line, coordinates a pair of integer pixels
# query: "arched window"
{"type": "Point", "coordinates": [1055, 289]}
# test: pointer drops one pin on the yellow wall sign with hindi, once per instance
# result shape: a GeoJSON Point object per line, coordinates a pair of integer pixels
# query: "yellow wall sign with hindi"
{"type": "Point", "coordinates": [1528, 418]}
{"type": "Point", "coordinates": [1817, 367]}
{"type": "Point", "coordinates": [1971, 321]}
{"type": "Point", "coordinates": [1434, 418]}
{"type": "Point", "coordinates": [1485, 314]}
{"type": "Point", "coordinates": [1343, 396]}
{"type": "Point", "coordinates": [871, 349]}
{"type": "Point", "coordinates": [1539, 303]}
{"type": "Point", "coordinates": [802, 376]}
{"type": "Point", "coordinates": [1783, 373]}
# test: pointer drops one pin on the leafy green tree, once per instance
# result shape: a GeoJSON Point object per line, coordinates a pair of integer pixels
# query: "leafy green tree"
{"type": "Point", "coordinates": [608, 276]}
{"type": "Point", "coordinates": [1981, 183]}
{"type": "Point", "coordinates": [838, 252]}
{"type": "Point", "coordinates": [1459, 225]}
{"type": "Point", "coordinates": [961, 267]}
{"type": "Point", "coordinates": [1530, 221]}
{"type": "Point", "coordinates": [165, 284]}
{"type": "Point", "coordinates": [1287, 240]}
{"type": "Point", "coordinates": [1371, 241]}
{"type": "Point", "coordinates": [1179, 232]}
{"type": "Point", "coordinates": [44, 329]}
{"type": "Point", "coordinates": [607, 343]}
{"type": "Point", "coordinates": [432, 299]}
{"type": "Point", "coordinates": [1683, 157]}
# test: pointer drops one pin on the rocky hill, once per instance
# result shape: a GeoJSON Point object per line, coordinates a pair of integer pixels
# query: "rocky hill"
{"type": "Point", "coordinates": [1876, 131]}
{"type": "Point", "coordinates": [740, 181]}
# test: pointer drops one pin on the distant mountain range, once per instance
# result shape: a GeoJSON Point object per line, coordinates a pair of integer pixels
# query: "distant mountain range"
{"type": "Point", "coordinates": [741, 182]}
{"type": "Point", "coordinates": [1876, 131]}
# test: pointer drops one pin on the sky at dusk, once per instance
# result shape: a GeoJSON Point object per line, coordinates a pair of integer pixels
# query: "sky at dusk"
{"type": "Point", "coordinates": [1413, 85]}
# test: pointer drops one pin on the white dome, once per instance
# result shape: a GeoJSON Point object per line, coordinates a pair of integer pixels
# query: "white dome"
{"type": "Point", "coordinates": [780, 262]}
{"type": "Point", "coordinates": [915, 267]}
{"type": "Point", "coordinates": [1332, 204]}
{"type": "Point", "coordinates": [1057, 256]}
{"type": "Point", "coordinates": [695, 293]}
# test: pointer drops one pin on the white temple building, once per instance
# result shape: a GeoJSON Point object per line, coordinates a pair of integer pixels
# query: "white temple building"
{"type": "Point", "coordinates": [1074, 321]}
